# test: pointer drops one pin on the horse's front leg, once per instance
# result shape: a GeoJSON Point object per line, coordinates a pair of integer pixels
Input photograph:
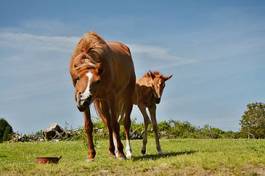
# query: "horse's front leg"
{"type": "Point", "coordinates": [152, 111]}
{"type": "Point", "coordinates": [88, 126]}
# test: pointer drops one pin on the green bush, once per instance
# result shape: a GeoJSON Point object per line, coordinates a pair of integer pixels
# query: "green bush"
{"type": "Point", "coordinates": [167, 129]}
{"type": "Point", "coordinates": [5, 130]}
{"type": "Point", "coordinates": [253, 121]}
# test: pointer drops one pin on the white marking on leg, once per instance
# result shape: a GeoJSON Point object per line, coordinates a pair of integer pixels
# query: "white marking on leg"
{"type": "Point", "coordinates": [115, 145]}
{"type": "Point", "coordinates": [128, 149]}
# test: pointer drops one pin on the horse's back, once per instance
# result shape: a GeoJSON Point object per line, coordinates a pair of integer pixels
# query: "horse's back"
{"type": "Point", "coordinates": [122, 65]}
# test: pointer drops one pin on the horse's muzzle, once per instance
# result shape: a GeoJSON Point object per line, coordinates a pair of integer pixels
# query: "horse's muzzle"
{"type": "Point", "coordinates": [157, 100]}
{"type": "Point", "coordinates": [83, 104]}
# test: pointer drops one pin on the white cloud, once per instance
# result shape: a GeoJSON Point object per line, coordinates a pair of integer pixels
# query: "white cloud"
{"type": "Point", "coordinates": [157, 57]}
{"type": "Point", "coordinates": [36, 42]}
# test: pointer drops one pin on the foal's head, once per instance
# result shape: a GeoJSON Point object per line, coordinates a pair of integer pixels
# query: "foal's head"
{"type": "Point", "coordinates": [88, 81]}
{"type": "Point", "coordinates": [158, 84]}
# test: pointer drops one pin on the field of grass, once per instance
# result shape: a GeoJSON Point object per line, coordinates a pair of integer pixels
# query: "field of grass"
{"type": "Point", "coordinates": [182, 157]}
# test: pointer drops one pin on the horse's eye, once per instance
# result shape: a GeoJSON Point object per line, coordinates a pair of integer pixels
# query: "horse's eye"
{"type": "Point", "coordinates": [100, 71]}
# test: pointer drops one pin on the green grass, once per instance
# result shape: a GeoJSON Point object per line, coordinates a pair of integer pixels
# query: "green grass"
{"type": "Point", "coordinates": [183, 157]}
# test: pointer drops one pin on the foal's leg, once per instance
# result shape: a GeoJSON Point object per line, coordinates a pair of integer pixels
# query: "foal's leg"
{"type": "Point", "coordinates": [88, 126]}
{"type": "Point", "coordinates": [127, 126]}
{"type": "Point", "coordinates": [146, 123]}
{"type": "Point", "coordinates": [152, 111]}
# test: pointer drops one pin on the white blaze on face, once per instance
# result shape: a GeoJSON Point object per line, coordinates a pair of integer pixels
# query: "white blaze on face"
{"type": "Point", "coordinates": [87, 92]}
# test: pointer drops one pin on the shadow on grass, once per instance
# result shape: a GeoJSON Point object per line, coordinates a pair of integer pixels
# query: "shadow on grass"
{"type": "Point", "coordinates": [3, 156]}
{"type": "Point", "coordinates": [164, 155]}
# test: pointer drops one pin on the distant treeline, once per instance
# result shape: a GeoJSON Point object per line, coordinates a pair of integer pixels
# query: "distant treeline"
{"type": "Point", "coordinates": [252, 126]}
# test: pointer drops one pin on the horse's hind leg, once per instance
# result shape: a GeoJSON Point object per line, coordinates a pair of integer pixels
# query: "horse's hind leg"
{"type": "Point", "coordinates": [152, 111]}
{"type": "Point", "coordinates": [116, 133]}
{"type": "Point", "coordinates": [146, 123]}
{"type": "Point", "coordinates": [116, 140]}
{"type": "Point", "coordinates": [105, 117]}
{"type": "Point", "coordinates": [127, 126]}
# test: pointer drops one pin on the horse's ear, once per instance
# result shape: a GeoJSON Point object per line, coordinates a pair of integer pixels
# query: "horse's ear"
{"type": "Point", "coordinates": [167, 77]}
{"type": "Point", "coordinates": [151, 74]}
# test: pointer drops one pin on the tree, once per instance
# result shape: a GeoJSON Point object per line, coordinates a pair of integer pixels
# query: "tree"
{"type": "Point", "coordinates": [5, 130]}
{"type": "Point", "coordinates": [253, 121]}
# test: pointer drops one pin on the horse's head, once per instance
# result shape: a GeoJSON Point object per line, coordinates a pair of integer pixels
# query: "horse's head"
{"type": "Point", "coordinates": [158, 84]}
{"type": "Point", "coordinates": [87, 81]}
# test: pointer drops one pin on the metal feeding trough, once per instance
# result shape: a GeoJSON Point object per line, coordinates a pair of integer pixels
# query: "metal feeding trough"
{"type": "Point", "coordinates": [46, 160]}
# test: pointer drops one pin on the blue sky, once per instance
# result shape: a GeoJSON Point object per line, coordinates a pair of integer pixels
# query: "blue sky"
{"type": "Point", "coordinates": [214, 49]}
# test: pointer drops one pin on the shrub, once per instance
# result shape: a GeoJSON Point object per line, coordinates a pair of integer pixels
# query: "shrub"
{"type": "Point", "coordinates": [5, 130]}
{"type": "Point", "coordinates": [253, 121]}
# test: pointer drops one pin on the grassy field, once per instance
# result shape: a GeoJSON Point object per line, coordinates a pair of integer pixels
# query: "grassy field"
{"type": "Point", "coordinates": [183, 157]}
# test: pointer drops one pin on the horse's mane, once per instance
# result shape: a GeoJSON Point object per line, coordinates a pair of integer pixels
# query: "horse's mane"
{"type": "Point", "coordinates": [87, 53]}
{"type": "Point", "coordinates": [90, 41]}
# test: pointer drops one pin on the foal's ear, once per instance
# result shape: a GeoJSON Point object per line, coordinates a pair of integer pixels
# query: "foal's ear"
{"type": "Point", "coordinates": [151, 74]}
{"type": "Point", "coordinates": [167, 77]}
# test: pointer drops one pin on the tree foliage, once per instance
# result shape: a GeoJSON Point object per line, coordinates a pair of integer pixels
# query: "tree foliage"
{"type": "Point", "coordinates": [253, 121]}
{"type": "Point", "coordinates": [5, 130]}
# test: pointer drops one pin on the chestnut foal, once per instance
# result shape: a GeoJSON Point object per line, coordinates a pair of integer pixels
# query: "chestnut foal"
{"type": "Point", "coordinates": [147, 94]}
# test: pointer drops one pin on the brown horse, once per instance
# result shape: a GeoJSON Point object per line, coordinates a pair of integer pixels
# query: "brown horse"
{"type": "Point", "coordinates": [103, 73]}
{"type": "Point", "coordinates": [147, 94]}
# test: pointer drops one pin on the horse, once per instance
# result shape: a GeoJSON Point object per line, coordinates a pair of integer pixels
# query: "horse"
{"type": "Point", "coordinates": [148, 92]}
{"type": "Point", "coordinates": [102, 72]}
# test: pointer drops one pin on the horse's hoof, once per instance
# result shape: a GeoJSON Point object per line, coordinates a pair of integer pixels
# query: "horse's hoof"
{"type": "Point", "coordinates": [90, 160]}
{"type": "Point", "coordinates": [120, 156]}
{"type": "Point", "coordinates": [160, 152]}
{"type": "Point", "coordinates": [112, 154]}
{"type": "Point", "coordinates": [143, 152]}
{"type": "Point", "coordinates": [128, 155]}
